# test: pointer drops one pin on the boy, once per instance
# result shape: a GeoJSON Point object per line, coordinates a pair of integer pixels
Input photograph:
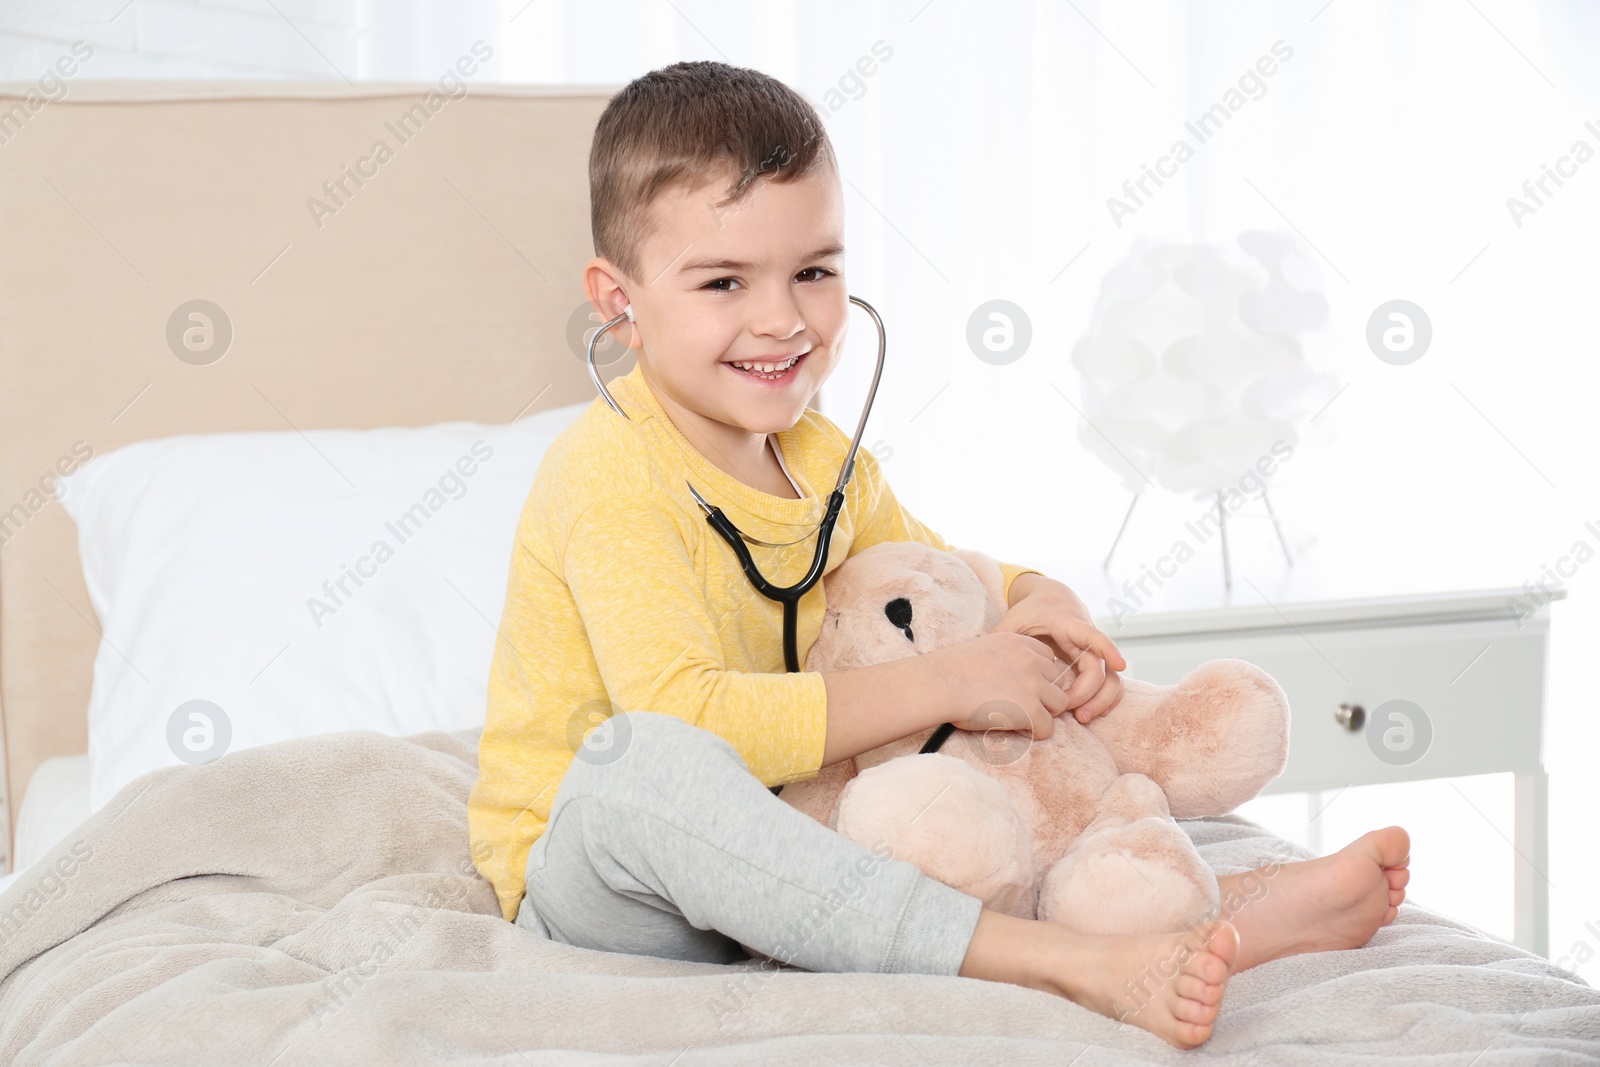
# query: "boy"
{"type": "Point", "coordinates": [717, 214]}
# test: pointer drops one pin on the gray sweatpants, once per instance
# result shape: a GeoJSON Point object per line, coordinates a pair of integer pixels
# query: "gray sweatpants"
{"type": "Point", "coordinates": [662, 843]}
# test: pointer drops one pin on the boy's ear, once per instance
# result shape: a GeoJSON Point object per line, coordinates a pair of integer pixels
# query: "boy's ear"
{"type": "Point", "coordinates": [603, 284]}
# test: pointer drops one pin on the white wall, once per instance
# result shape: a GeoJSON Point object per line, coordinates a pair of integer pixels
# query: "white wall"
{"type": "Point", "coordinates": [335, 40]}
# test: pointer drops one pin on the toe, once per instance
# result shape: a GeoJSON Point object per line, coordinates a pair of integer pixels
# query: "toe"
{"type": "Point", "coordinates": [1388, 847]}
{"type": "Point", "coordinates": [1397, 886]}
{"type": "Point", "coordinates": [1224, 944]}
{"type": "Point", "coordinates": [1191, 1034]}
{"type": "Point", "coordinates": [1191, 987]}
{"type": "Point", "coordinates": [1192, 1011]}
{"type": "Point", "coordinates": [1208, 968]}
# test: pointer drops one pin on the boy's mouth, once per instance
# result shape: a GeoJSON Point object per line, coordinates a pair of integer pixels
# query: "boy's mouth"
{"type": "Point", "coordinates": [769, 372]}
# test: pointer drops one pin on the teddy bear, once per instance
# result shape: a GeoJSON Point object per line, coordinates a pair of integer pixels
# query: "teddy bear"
{"type": "Point", "coordinates": [1077, 828]}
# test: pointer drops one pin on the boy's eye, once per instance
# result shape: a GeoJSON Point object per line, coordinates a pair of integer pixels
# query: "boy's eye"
{"type": "Point", "coordinates": [716, 285]}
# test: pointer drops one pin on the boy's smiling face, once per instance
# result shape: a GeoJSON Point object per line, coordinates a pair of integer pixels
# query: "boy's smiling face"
{"type": "Point", "coordinates": [760, 280]}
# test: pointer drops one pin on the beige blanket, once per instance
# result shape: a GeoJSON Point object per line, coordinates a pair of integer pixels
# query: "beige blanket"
{"type": "Point", "coordinates": [314, 902]}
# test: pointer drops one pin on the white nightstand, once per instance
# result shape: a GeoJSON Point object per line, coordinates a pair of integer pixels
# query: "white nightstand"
{"type": "Point", "coordinates": [1473, 661]}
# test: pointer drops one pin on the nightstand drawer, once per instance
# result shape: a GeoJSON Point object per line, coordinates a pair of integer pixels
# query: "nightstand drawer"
{"type": "Point", "coordinates": [1479, 685]}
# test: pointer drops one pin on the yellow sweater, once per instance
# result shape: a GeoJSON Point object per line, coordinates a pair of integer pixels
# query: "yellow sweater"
{"type": "Point", "coordinates": [622, 598]}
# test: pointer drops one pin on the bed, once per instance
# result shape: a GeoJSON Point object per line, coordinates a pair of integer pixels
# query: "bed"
{"type": "Point", "coordinates": [313, 900]}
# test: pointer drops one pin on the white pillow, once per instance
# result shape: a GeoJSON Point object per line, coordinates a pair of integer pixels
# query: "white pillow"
{"type": "Point", "coordinates": [300, 583]}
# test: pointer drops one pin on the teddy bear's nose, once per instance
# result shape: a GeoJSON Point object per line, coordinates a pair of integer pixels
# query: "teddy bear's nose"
{"type": "Point", "coordinates": [899, 612]}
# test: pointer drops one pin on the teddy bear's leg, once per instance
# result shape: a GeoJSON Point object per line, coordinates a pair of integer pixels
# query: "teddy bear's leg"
{"type": "Point", "coordinates": [951, 820]}
{"type": "Point", "coordinates": [1132, 870]}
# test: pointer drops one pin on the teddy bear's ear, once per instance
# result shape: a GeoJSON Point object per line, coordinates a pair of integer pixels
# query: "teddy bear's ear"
{"type": "Point", "coordinates": [988, 572]}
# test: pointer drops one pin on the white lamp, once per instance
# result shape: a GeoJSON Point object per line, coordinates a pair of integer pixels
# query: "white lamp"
{"type": "Point", "coordinates": [1194, 368]}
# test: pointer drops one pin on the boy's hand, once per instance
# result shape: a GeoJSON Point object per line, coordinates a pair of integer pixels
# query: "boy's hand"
{"type": "Point", "coordinates": [1051, 612]}
{"type": "Point", "coordinates": [1006, 681]}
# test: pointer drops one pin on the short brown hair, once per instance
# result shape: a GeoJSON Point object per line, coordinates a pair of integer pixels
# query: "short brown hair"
{"type": "Point", "coordinates": [684, 125]}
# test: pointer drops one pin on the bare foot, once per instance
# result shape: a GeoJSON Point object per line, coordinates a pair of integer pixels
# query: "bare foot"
{"type": "Point", "coordinates": [1331, 902]}
{"type": "Point", "coordinates": [1170, 984]}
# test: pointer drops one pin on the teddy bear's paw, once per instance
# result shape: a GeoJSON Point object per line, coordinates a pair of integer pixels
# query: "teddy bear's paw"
{"type": "Point", "coordinates": [951, 820]}
{"type": "Point", "coordinates": [1127, 878]}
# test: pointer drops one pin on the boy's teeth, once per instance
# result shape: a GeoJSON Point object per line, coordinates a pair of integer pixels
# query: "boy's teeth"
{"type": "Point", "coordinates": [767, 368]}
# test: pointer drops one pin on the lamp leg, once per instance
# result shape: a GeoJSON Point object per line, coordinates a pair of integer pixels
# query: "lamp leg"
{"type": "Point", "coordinates": [1278, 526]}
{"type": "Point", "coordinates": [1222, 528]}
{"type": "Point", "coordinates": [1106, 566]}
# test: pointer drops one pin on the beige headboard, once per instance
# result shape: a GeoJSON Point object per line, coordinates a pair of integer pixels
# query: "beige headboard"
{"type": "Point", "coordinates": [440, 287]}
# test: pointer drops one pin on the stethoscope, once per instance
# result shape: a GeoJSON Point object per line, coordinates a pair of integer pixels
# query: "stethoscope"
{"type": "Point", "coordinates": [788, 596]}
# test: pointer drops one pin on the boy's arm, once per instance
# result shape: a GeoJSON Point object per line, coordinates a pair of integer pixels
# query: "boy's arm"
{"type": "Point", "coordinates": [1033, 581]}
{"type": "Point", "coordinates": [887, 520]}
{"type": "Point", "coordinates": [890, 521]}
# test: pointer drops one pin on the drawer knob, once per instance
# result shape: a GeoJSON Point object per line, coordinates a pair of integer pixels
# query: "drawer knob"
{"type": "Point", "coordinates": [1351, 716]}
